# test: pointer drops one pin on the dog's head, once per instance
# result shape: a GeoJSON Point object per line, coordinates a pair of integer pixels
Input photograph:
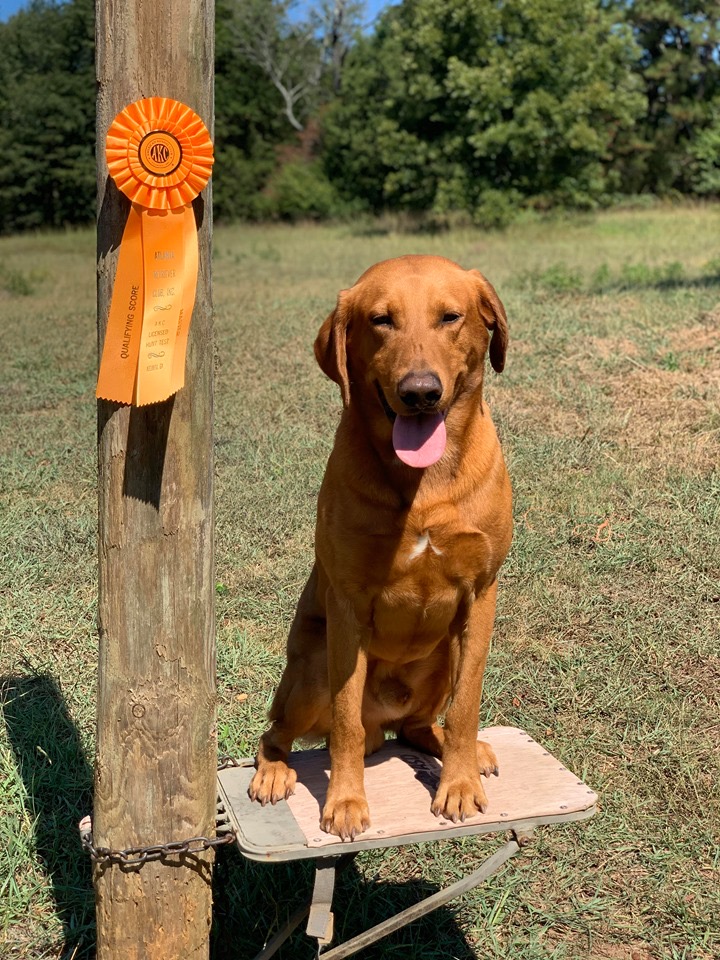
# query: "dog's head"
{"type": "Point", "coordinates": [408, 341]}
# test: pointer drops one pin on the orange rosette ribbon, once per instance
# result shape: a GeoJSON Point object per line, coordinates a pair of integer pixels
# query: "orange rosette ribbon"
{"type": "Point", "coordinates": [160, 155]}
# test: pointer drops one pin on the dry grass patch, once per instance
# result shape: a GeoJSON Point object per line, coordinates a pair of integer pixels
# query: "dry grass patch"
{"type": "Point", "coordinates": [669, 417]}
{"type": "Point", "coordinates": [664, 406]}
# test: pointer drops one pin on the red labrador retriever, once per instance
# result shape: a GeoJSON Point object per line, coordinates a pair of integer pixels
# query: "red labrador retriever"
{"type": "Point", "coordinates": [413, 522]}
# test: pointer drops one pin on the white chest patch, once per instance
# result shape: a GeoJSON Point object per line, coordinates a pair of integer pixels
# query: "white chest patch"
{"type": "Point", "coordinates": [423, 542]}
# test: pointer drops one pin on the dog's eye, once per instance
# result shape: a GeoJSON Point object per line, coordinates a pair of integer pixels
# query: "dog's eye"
{"type": "Point", "coordinates": [451, 317]}
{"type": "Point", "coordinates": [382, 321]}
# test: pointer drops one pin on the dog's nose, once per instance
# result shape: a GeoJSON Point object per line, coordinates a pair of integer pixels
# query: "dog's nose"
{"type": "Point", "coordinates": [420, 391]}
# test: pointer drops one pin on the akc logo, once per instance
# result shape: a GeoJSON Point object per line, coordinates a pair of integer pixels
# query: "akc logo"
{"type": "Point", "coordinates": [160, 153]}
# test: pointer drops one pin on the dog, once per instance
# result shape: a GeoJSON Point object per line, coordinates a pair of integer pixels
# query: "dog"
{"type": "Point", "coordinates": [414, 520]}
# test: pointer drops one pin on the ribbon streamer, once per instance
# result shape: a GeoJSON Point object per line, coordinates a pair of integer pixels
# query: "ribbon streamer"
{"type": "Point", "coordinates": [160, 155]}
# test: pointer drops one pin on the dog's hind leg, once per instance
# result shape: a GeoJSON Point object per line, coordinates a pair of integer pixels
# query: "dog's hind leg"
{"type": "Point", "coordinates": [426, 736]}
{"type": "Point", "coordinates": [274, 780]}
{"type": "Point", "coordinates": [301, 706]}
{"type": "Point", "coordinates": [430, 739]}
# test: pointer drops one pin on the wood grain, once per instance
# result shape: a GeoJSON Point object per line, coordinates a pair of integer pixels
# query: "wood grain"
{"type": "Point", "coordinates": [156, 749]}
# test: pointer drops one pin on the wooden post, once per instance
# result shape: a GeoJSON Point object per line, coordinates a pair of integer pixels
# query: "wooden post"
{"type": "Point", "coordinates": [155, 765]}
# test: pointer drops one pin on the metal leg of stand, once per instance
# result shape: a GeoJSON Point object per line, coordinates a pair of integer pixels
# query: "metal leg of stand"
{"type": "Point", "coordinates": [274, 944]}
{"type": "Point", "coordinates": [320, 922]}
{"type": "Point", "coordinates": [319, 909]}
{"type": "Point", "coordinates": [488, 868]}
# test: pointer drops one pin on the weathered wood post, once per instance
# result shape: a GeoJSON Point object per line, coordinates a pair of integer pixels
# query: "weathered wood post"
{"type": "Point", "coordinates": [156, 739]}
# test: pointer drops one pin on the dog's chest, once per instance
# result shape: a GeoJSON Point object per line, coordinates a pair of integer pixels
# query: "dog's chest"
{"type": "Point", "coordinates": [451, 554]}
{"type": "Point", "coordinates": [419, 549]}
{"type": "Point", "coordinates": [425, 590]}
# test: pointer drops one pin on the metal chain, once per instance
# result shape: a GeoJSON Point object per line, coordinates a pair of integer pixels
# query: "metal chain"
{"type": "Point", "coordinates": [225, 761]}
{"type": "Point", "coordinates": [134, 856]}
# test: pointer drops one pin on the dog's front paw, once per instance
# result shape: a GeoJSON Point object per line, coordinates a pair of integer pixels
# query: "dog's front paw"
{"type": "Point", "coordinates": [346, 818]}
{"type": "Point", "coordinates": [487, 761]}
{"type": "Point", "coordinates": [459, 798]}
{"type": "Point", "coordinates": [274, 780]}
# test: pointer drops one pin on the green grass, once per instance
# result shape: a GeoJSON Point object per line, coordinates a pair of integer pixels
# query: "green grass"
{"type": "Point", "coordinates": [607, 645]}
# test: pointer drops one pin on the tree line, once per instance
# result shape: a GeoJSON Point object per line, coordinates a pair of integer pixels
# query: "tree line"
{"type": "Point", "coordinates": [479, 107]}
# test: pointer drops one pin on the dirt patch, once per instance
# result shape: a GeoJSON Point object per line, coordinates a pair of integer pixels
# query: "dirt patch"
{"type": "Point", "coordinates": [698, 680]}
{"type": "Point", "coordinates": [699, 345]}
{"type": "Point", "coordinates": [664, 406]}
{"type": "Point", "coordinates": [578, 946]}
{"type": "Point", "coordinates": [671, 416]}
{"type": "Point", "coordinates": [532, 409]}
{"type": "Point", "coordinates": [668, 408]}
{"type": "Point", "coordinates": [608, 348]}
{"type": "Point", "coordinates": [621, 951]}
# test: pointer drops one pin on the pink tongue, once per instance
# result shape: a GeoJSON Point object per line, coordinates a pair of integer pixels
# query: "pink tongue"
{"type": "Point", "coordinates": [419, 441]}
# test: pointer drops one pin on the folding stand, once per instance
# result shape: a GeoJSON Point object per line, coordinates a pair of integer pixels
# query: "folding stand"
{"type": "Point", "coordinates": [533, 789]}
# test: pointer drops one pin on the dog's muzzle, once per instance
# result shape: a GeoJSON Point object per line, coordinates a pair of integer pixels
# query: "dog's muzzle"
{"type": "Point", "coordinates": [420, 392]}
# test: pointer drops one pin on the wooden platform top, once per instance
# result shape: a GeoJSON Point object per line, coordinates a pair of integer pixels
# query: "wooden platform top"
{"type": "Point", "coordinates": [533, 788]}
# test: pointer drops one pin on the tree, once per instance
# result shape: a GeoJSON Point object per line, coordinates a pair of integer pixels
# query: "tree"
{"type": "Point", "coordinates": [47, 120]}
{"type": "Point", "coordinates": [248, 126]}
{"type": "Point", "coordinates": [704, 171]}
{"type": "Point", "coordinates": [455, 104]}
{"type": "Point", "coordinates": [297, 55]}
{"type": "Point", "coordinates": [47, 116]}
{"type": "Point", "coordinates": [679, 66]}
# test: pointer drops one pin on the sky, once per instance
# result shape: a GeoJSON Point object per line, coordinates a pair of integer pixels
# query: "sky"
{"type": "Point", "coordinates": [9, 7]}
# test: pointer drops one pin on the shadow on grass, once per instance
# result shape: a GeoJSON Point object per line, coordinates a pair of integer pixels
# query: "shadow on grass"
{"type": "Point", "coordinates": [405, 223]}
{"type": "Point", "coordinates": [559, 278]}
{"type": "Point", "coordinates": [253, 900]}
{"type": "Point", "coordinates": [58, 782]}
{"type": "Point", "coordinates": [667, 283]}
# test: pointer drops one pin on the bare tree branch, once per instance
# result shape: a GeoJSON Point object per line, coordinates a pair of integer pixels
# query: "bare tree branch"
{"type": "Point", "coordinates": [296, 54]}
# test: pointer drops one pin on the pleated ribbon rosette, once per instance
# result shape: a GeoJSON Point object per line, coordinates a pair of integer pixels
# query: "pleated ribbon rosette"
{"type": "Point", "coordinates": [160, 155]}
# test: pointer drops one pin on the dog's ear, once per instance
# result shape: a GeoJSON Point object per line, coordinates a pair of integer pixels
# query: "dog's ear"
{"type": "Point", "coordinates": [331, 346]}
{"type": "Point", "coordinates": [493, 313]}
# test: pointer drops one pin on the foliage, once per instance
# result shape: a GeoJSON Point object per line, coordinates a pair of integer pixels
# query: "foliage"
{"type": "Point", "coordinates": [47, 116]}
{"type": "Point", "coordinates": [248, 127]}
{"type": "Point", "coordinates": [450, 100]}
{"type": "Point", "coordinates": [495, 209]}
{"type": "Point", "coordinates": [679, 66]}
{"type": "Point", "coordinates": [301, 191]}
{"type": "Point", "coordinates": [704, 152]}
{"type": "Point", "coordinates": [444, 107]}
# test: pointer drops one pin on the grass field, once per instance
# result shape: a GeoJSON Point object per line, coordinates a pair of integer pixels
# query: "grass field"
{"type": "Point", "coordinates": [607, 646]}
